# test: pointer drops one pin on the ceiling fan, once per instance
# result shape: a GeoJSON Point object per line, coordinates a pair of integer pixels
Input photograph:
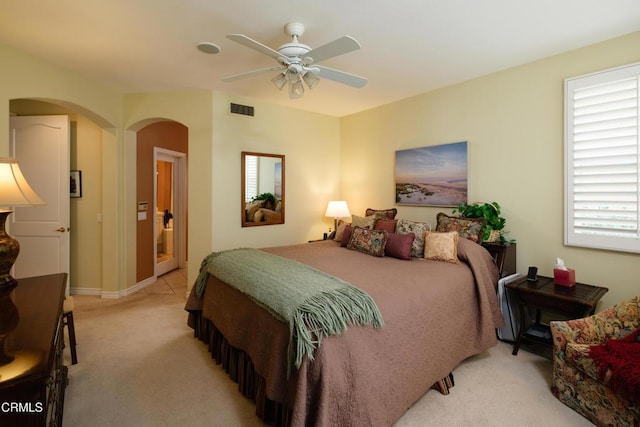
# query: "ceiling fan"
{"type": "Point", "coordinates": [298, 62]}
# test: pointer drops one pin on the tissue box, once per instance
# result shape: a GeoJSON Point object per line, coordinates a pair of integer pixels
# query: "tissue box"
{"type": "Point", "coordinates": [564, 277]}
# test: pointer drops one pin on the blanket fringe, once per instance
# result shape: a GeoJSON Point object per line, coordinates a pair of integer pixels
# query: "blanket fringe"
{"type": "Point", "coordinates": [341, 308]}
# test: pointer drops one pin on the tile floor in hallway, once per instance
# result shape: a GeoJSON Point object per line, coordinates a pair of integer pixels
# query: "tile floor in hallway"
{"type": "Point", "coordinates": [171, 283]}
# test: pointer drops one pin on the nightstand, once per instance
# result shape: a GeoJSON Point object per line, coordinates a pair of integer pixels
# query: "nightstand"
{"type": "Point", "coordinates": [544, 295]}
{"type": "Point", "coordinates": [504, 255]}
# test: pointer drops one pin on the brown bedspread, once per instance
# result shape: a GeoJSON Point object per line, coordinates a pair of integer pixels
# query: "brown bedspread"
{"type": "Point", "coordinates": [435, 316]}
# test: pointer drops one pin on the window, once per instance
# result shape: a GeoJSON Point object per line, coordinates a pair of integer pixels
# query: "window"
{"type": "Point", "coordinates": [251, 178]}
{"type": "Point", "coordinates": [602, 173]}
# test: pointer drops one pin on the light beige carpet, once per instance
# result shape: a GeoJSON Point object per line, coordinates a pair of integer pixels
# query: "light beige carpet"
{"type": "Point", "coordinates": [139, 365]}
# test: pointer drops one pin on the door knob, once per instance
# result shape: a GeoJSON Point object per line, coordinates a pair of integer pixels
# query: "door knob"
{"type": "Point", "coordinates": [62, 229]}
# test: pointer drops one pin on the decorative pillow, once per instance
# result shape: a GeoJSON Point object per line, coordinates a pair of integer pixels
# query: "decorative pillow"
{"type": "Point", "coordinates": [363, 222]}
{"type": "Point", "coordinates": [346, 235]}
{"type": "Point", "coordinates": [370, 242]}
{"type": "Point", "coordinates": [468, 228]}
{"type": "Point", "coordinates": [382, 213]}
{"type": "Point", "coordinates": [441, 246]}
{"type": "Point", "coordinates": [271, 216]}
{"type": "Point", "coordinates": [258, 216]}
{"type": "Point", "coordinates": [404, 226]}
{"type": "Point", "coordinates": [252, 208]}
{"type": "Point", "coordinates": [386, 224]}
{"type": "Point", "coordinates": [339, 230]}
{"type": "Point", "coordinates": [399, 245]}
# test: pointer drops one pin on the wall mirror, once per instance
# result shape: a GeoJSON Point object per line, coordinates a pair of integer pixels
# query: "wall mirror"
{"type": "Point", "coordinates": [262, 189]}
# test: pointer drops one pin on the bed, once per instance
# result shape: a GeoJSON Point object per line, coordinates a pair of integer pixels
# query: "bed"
{"type": "Point", "coordinates": [435, 314]}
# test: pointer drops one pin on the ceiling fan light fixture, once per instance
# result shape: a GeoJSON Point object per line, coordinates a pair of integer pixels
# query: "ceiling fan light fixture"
{"type": "Point", "coordinates": [310, 79]}
{"type": "Point", "coordinates": [296, 61]}
{"type": "Point", "coordinates": [280, 80]}
{"type": "Point", "coordinates": [296, 89]}
{"type": "Point", "coordinates": [292, 76]}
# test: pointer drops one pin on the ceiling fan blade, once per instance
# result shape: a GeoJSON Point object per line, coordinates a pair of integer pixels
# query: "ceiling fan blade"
{"type": "Point", "coordinates": [341, 77]}
{"type": "Point", "coordinates": [252, 44]}
{"type": "Point", "coordinates": [344, 44]}
{"type": "Point", "coordinates": [251, 73]}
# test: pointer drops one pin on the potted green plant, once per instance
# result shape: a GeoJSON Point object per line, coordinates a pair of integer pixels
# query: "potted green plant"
{"type": "Point", "coordinates": [493, 229]}
{"type": "Point", "coordinates": [269, 199]}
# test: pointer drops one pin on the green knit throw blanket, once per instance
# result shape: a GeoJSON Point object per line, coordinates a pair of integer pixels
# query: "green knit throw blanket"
{"type": "Point", "coordinates": [313, 303]}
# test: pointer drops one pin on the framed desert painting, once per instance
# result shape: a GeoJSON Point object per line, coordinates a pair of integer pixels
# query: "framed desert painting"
{"type": "Point", "coordinates": [432, 176]}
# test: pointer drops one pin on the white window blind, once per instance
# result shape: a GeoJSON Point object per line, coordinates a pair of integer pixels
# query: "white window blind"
{"type": "Point", "coordinates": [602, 172]}
{"type": "Point", "coordinates": [251, 177]}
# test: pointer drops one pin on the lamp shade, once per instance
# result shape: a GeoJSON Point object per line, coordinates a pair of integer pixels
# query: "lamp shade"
{"type": "Point", "coordinates": [337, 209]}
{"type": "Point", "coordinates": [14, 189]}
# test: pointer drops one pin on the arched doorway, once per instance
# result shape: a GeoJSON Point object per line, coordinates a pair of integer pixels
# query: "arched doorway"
{"type": "Point", "coordinates": [169, 139]}
{"type": "Point", "coordinates": [89, 250]}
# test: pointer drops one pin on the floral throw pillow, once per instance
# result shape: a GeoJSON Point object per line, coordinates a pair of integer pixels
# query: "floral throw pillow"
{"type": "Point", "coordinates": [363, 222]}
{"type": "Point", "coordinates": [468, 228]}
{"type": "Point", "coordinates": [370, 242]}
{"type": "Point", "coordinates": [382, 213]}
{"type": "Point", "coordinates": [405, 226]}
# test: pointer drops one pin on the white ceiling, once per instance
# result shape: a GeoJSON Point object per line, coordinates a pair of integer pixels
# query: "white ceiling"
{"type": "Point", "coordinates": [408, 46]}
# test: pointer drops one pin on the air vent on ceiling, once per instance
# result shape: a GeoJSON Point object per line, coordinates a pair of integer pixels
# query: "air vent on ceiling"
{"type": "Point", "coordinates": [244, 110]}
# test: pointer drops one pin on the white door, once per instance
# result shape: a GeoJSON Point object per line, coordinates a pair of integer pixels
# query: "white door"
{"type": "Point", "coordinates": [41, 145]}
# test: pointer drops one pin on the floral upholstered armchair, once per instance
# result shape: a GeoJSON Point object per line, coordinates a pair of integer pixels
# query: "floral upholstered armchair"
{"type": "Point", "coordinates": [584, 384]}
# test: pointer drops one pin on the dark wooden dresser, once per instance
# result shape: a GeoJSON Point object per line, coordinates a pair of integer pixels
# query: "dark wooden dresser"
{"type": "Point", "coordinates": [32, 386]}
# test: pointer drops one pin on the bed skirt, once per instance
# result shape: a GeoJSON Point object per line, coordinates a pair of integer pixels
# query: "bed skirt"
{"type": "Point", "coordinates": [238, 366]}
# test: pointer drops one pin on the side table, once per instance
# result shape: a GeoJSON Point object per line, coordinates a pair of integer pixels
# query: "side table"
{"type": "Point", "coordinates": [504, 255]}
{"type": "Point", "coordinates": [544, 295]}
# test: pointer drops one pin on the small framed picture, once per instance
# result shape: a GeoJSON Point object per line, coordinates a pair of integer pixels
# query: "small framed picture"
{"type": "Point", "coordinates": [75, 186]}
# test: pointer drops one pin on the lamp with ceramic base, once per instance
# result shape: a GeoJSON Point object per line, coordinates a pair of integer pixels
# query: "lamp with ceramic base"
{"type": "Point", "coordinates": [337, 209]}
{"type": "Point", "coordinates": [14, 192]}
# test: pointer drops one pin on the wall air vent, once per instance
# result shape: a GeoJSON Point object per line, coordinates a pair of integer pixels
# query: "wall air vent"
{"type": "Point", "coordinates": [243, 110]}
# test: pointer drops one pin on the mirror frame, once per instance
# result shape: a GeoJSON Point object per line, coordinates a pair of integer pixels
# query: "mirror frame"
{"type": "Point", "coordinates": [243, 215]}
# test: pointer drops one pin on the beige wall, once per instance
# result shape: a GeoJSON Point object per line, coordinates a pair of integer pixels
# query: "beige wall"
{"type": "Point", "coordinates": [513, 121]}
{"type": "Point", "coordinates": [98, 108]}
{"type": "Point", "coordinates": [193, 110]}
{"type": "Point", "coordinates": [86, 230]}
{"type": "Point", "coordinates": [310, 143]}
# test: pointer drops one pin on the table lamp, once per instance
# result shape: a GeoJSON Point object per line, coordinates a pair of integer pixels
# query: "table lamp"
{"type": "Point", "coordinates": [337, 209]}
{"type": "Point", "coordinates": [14, 191]}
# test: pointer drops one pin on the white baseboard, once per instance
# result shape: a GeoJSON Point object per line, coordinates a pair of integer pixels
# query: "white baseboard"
{"type": "Point", "coordinates": [85, 291]}
{"type": "Point", "coordinates": [114, 294]}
